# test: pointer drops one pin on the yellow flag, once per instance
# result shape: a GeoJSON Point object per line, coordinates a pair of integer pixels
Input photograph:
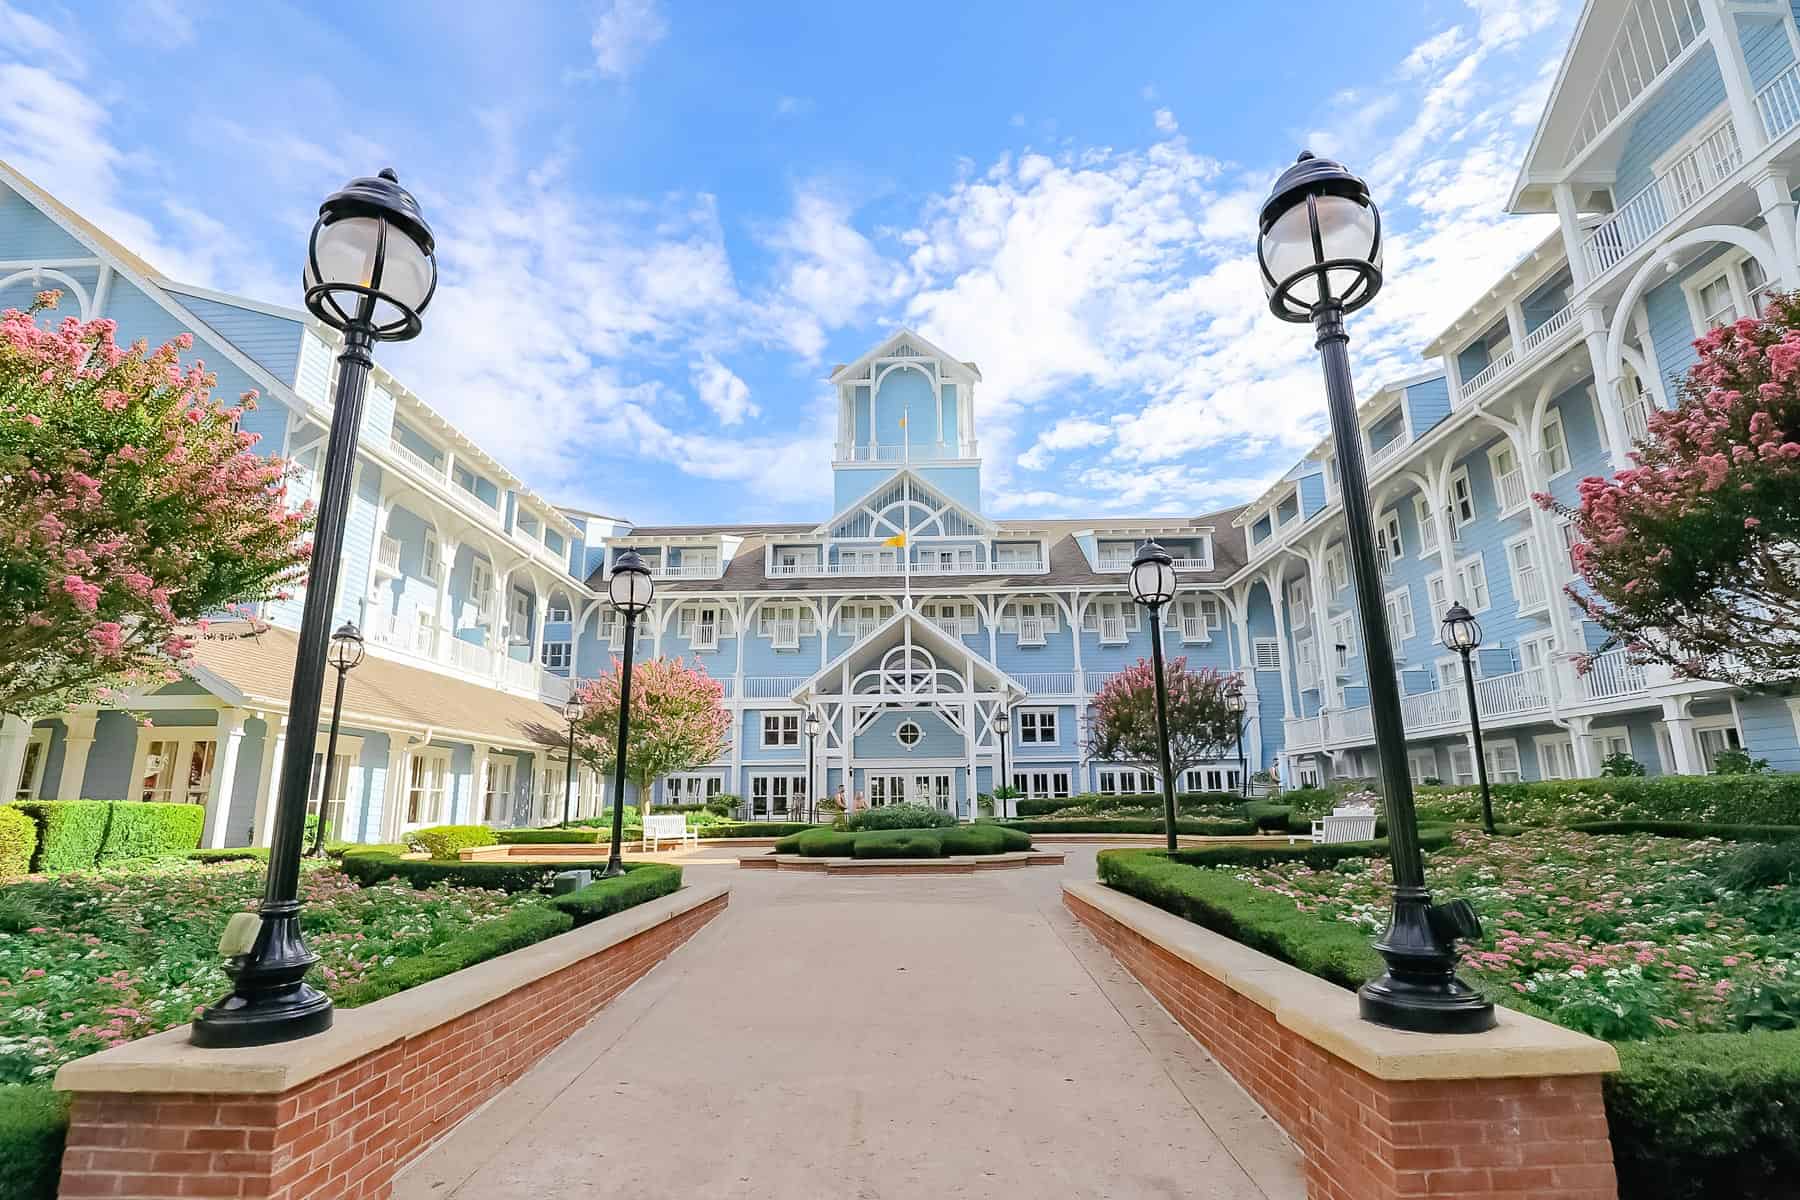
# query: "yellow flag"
{"type": "Point", "coordinates": [903, 420]}
{"type": "Point", "coordinates": [899, 539]}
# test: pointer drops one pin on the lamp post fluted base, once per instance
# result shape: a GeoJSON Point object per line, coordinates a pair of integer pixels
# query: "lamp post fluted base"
{"type": "Point", "coordinates": [1420, 992]}
{"type": "Point", "coordinates": [270, 1000]}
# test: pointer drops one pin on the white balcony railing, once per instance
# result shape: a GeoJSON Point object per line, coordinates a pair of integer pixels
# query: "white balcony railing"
{"type": "Point", "coordinates": [1514, 694]}
{"type": "Point", "coordinates": [467, 656]}
{"type": "Point", "coordinates": [1349, 725]}
{"type": "Point", "coordinates": [1302, 733]}
{"type": "Point", "coordinates": [1112, 630]}
{"type": "Point", "coordinates": [1194, 629]}
{"type": "Point", "coordinates": [1531, 588]}
{"type": "Point", "coordinates": [771, 687]}
{"type": "Point", "coordinates": [1612, 674]}
{"type": "Point", "coordinates": [1511, 694]}
{"type": "Point", "coordinates": [1530, 346]}
{"type": "Point", "coordinates": [699, 570]}
{"type": "Point", "coordinates": [1047, 683]}
{"type": "Point", "coordinates": [1427, 710]}
{"type": "Point", "coordinates": [1113, 562]}
{"type": "Point", "coordinates": [1031, 631]}
{"type": "Point", "coordinates": [387, 554]}
{"type": "Point", "coordinates": [895, 569]}
{"type": "Point", "coordinates": [1779, 102]}
{"type": "Point", "coordinates": [1389, 449]}
{"type": "Point", "coordinates": [785, 635]}
{"type": "Point", "coordinates": [417, 461]}
{"type": "Point", "coordinates": [1512, 490]}
{"type": "Point", "coordinates": [1096, 680]}
{"type": "Point", "coordinates": [902, 451]}
{"type": "Point", "coordinates": [1669, 195]}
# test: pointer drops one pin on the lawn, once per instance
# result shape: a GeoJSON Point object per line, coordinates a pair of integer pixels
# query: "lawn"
{"type": "Point", "coordinates": [95, 959]}
{"type": "Point", "coordinates": [1625, 937]}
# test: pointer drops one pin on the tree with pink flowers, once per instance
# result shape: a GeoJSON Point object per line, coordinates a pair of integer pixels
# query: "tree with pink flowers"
{"type": "Point", "coordinates": [1691, 556]}
{"type": "Point", "coordinates": [678, 722]}
{"type": "Point", "coordinates": [131, 509]}
{"type": "Point", "coordinates": [1202, 724]}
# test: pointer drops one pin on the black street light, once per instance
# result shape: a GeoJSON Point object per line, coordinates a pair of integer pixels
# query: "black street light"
{"type": "Point", "coordinates": [1462, 633]}
{"type": "Point", "coordinates": [346, 655]}
{"type": "Point", "coordinates": [1002, 727]}
{"type": "Point", "coordinates": [1153, 585]}
{"type": "Point", "coordinates": [812, 731]}
{"type": "Point", "coordinates": [1238, 705]}
{"type": "Point", "coordinates": [370, 272]}
{"type": "Point", "coordinates": [571, 714]}
{"type": "Point", "coordinates": [629, 590]}
{"type": "Point", "coordinates": [1319, 249]}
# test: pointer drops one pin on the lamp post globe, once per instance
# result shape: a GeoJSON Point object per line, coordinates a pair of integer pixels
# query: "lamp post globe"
{"type": "Point", "coordinates": [1319, 242]}
{"type": "Point", "coordinates": [1462, 633]}
{"type": "Point", "coordinates": [1319, 249]}
{"type": "Point", "coordinates": [346, 654]}
{"type": "Point", "coordinates": [630, 591]}
{"type": "Point", "coordinates": [1152, 583]}
{"type": "Point", "coordinates": [1152, 576]}
{"type": "Point", "coordinates": [571, 711]}
{"type": "Point", "coordinates": [347, 648]}
{"type": "Point", "coordinates": [369, 273]}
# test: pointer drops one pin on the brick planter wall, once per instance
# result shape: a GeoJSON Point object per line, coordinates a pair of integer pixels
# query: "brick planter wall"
{"type": "Point", "coordinates": [1506, 1137]}
{"type": "Point", "coordinates": [344, 1134]}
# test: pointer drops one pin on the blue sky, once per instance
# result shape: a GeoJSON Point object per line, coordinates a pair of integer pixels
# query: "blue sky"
{"type": "Point", "coordinates": [661, 222]}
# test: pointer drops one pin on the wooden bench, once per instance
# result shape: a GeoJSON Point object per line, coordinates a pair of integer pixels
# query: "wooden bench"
{"type": "Point", "coordinates": [668, 827]}
{"type": "Point", "coordinates": [1344, 825]}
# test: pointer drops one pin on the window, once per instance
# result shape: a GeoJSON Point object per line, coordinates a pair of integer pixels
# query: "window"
{"type": "Point", "coordinates": [1450, 671]}
{"type": "Point", "coordinates": [1422, 764]}
{"type": "Point", "coordinates": [909, 734]}
{"type": "Point", "coordinates": [1307, 653]}
{"type": "Point", "coordinates": [1211, 779]}
{"type": "Point", "coordinates": [1527, 581]}
{"type": "Point", "coordinates": [1509, 480]}
{"type": "Point", "coordinates": [701, 625]}
{"type": "Point", "coordinates": [1308, 775]}
{"type": "Point", "coordinates": [1016, 556]}
{"type": "Point", "coordinates": [1567, 535]}
{"type": "Point", "coordinates": [1428, 531]}
{"type": "Point", "coordinates": [175, 768]}
{"type": "Point", "coordinates": [1197, 617]}
{"type": "Point", "coordinates": [1556, 757]}
{"type": "Point", "coordinates": [1556, 446]}
{"type": "Point", "coordinates": [1042, 785]}
{"type": "Point", "coordinates": [1298, 596]}
{"type": "Point", "coordinates": [31, 771]}
{"type": "Point", "coordinates": [1125, 781]}
{"type": "Point", "coordinates": [558, 612]}
{"type": "Point", "coordinates": [428, 558]}
{"type": "Point", "coordinates": [1111, 619]}
{"type": "Point", "coordinates": [519, 619]}
{"type": "Point", "coordinates": [1037, 727]}
{"type": "Point", "coordinates": [781, 729]}
{"type": "Point", "coordinates": [1716, 303]}
{"type": "Point", "coordinates": [1030, 619]}
{"type": "Point", "coordinates": [497, 802]}
{"type": "Point", "coordinates": [481, 589]}
{"type": "Point", "coordinates": [1502, 763]}
{"type": "Point", "coordinates": [785, 624]}
{"type": "Point", "coordinates": [794, 561]}
{"type": "Point", "coordinates": [776, 795]}
{"type": "Point", "coordinates": [341, 766]}
{"type": "Point", "coordinates": [1714, 740]}
{"type": "Point", "coordinates": [557, 656]}
{"type": "Point", "coordinates": [1535, 652]}
{"type": "Point", "coordinates": [1462, 501]}
{"type": "Point", "coordinates": [953, 617]}
{"type": "Point", "coordinates": [1469, 581]}
{"type": "Point", "coordinates": [692, 789]}
{"type": "Point", "coordinates": [1343, 637]}
{"type": "Point", "coordinates": [1337, 575]}
{"type": "Point", "coordinates": [1388, 544]}
{"type": "Point", "coordinates": [427, 780]}
{"type": "Point", "coordinates": [860, 620]}
{"type": "Point", "coordinates": [1267, 654]}
{"type": "Point", "coordinates": [1400, 614]}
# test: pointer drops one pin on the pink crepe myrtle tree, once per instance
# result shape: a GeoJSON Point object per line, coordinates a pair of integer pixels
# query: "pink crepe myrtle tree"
{"type": "Point", "coordinates": [131, 509]}
{"type": "Point", "coordinates": [1202, 723]}
{"type": "Point", "coordinates": [678, 722]}
{"type": "Point", "coordinates": [1690, 557]}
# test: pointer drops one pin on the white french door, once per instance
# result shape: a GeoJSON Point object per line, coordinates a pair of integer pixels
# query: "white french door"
{"type": "Point", "coordinates": [934, 789]}
{"type": "Point", "coordinates": [427, 781]}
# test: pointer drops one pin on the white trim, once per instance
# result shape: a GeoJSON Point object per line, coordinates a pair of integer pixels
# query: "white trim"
{"type": "Point", "coordinates": [1458, 522]}
{"type": "Point", "coordinates": [1529, 542]}
{"type": "Point", "coordinates": [185, 739]}
{"type": "Point", "coordinates": [1557, 739]}
{"type": "Point", "coordinates": [1553, 416]}
{"type": "Point", "coordinates": [1505, 447]}
{"type": "Point", "coordinates": [780, 720]}
{"type": "Point", "coordinates": [32, 788]}
{"type": "Point", "coordinates": [1038, 716]}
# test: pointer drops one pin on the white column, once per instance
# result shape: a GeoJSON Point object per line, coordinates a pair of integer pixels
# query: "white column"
{"type": "Point", "coordinates": [1775, 194]}
{"type": "Point", "coordinates": [15, 733]}
{"type": "Point", "coordinates": [394, 787]}
{"type": "Point", "coordinates": [274, 746]}
{"type": "Point", "coordinates": [537, 628]}
{"type": "Point", "coordinates": [230, 734]}
{"type": "Point", "coordinates": [1579, 729]}
{"type": "Point", "coordinates": [1515, 324]}
{"type": "Point", "coordinates": [1740, 94]}
{"type": "Point", "coordinates": [1608, 380]}
{"type": "Point", "coordinates": [447, 549]}
{"type": "Point", "coordinates": [78, 741]}
{"type": "Point", "coordinates": [1681, 737]}
{"type": "Point", "coordinates": [479, 774]}
{"type": "Point", "coordinates": [1570, 221]}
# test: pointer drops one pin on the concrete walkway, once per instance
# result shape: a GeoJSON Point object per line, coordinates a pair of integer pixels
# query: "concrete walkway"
{"type": "Point", "coordinates": [944, 1036]}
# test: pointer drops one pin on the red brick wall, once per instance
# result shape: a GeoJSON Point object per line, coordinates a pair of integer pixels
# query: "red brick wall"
{"type": "Point", "coordinates": [344, 1135]}
{"type": "Point", "coordinates": [1365, 1138]}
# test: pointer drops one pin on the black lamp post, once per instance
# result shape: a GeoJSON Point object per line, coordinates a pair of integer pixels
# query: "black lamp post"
{"type": "Point", "coordinates": [370, 271]}
{"type": "Point", "coordinates": [1462, 633]}
{"type": "Point", "coordinates": [812, 731]}
{"type": "Point", "coordinates": [346, 655]}
{"type": "Point", "coordinates": [1238, 706]}
{"type": "Point", "coordinates": [571, 714]}
{"type": "Point", "coordinates": [1319, 249]}
{"type": "Point", "coordinates": [629, 590]}
{"type": "Point", "coordinates": [1153, 585]}
{"type": "Point", "coordinates": [1002, 727]}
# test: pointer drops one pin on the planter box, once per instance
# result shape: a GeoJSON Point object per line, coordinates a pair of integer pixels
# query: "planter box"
{"type": "Point", "coordinates": [1377, 1113]}
{"type": "Point", "coordinates": [338, 1114]}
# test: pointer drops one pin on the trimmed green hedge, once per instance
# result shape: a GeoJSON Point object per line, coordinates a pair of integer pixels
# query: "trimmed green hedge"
{"type": "Point", "coordinates": [898, 843]}
{"type": "Point", "coordinates": [372, 864]}
{"type": "Point", "coordinates": [750, 829]}
{"type": "Point", "coordinates": [1131, 825]}
{"type": "Point", "coordinates": [900, 816]}
{"type": "Point", "coordinates": [1098, 802]}
{"type": "Point", "coordinates": [76, 835]}
{"type": "Point", "coordinates": [818, 843]}
{"type": "Point", "coordinates": [34, 1121]}
{"type": "Point", "coordinates": [1693, 829]}
{"type": "Point", "coordinates": [1724, 799]}
{"type": "Point", "coordinates": [550, 837]}
{"type": "Point", "coordinates": [446, 841]}
{"type": "Point", "coordinates": [604, 897]}
{"type": "Point", "coordinates": [1701, 1115]}
{"type": "Point", "coordinates": [18, 842]}
{"type": "Point", "coordinates": [230, 854]}
{"type": "Point", "coordinates": [520, 928]}
{"type": "Point", "coordinates": [1313, 854]}
{"type": "Point", "coordinates": [1270, 815]}
{"type": "Point", "coordinates": [983, 838]}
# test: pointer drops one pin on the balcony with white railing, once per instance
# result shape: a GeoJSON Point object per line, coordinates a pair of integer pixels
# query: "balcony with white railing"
{"type": "Point", "coordinates": [1047, 683]}
{"type": "Point", "coordinates": [896, 569]}
{"type": "Point", "coordinates": [1686, 182]}
{"type": "Point", "coordinates": [1194, 628]}
{"type": "Point", "coordinates": [416, 461]}
{"type": "Point", "coordinates": [1302, 733]}
{"type": "Point", "coordinates": [893, 452]}
{"type": "Point", "coordinates": [1511, 487]}
{"type": "Point", "coordinates": [771, 687]}
{"type": "Point", "coordinates": [1518, 693]}
{"type": "Point", "coordinates": [699, 570]}
{"type": "Point", "coordinates": [1349, 725]}
{"type": "Point", "coordinates": [1778, 103]}
{"type": "Point", "coordinates": [1652, 39]}
{"type": "Point", "coordinates": [1113, 562]}
{"type": "Point", "coordinates": [1561, 327]}
{"type": "Point", "coordinates": [1387, 450]}
{"type": "Point", "coordinates": [1530, 582]}
{"type": "Point", "coordinates": [1430, 710]}
{"type": "Point", "coordinates": [387, 555]}
{"type": "Point", "coordinates": [1613, 674]}
{"type": "Point", "coordinates": [1095, 680]}
{"type": "Point", "coordinates": [1031, 631]}
{"type": "Point", "coordinates": [1112, 631]}
{"type": "Point", "coordinates": [467, 656]}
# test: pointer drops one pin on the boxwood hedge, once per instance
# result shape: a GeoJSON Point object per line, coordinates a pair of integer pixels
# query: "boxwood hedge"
{"type": "Point", "coordinates": [1095, 802]}
{"type": "Point", "coordinates": [34, 1121]}
{"type": "Point", "coordinates": [372, 864]}
{"type": "Point", "coordinates": [1190, 825]}
{"type": "Point", "coordinates": [447, 841]}
{"type": "Point", "coordinates": [18, 841]}
{"type": "Point", "coordinates": [517, 929]}
{"type": "Point", "coordinates": [551, 837]}
{"type": "Point", "coordinates": [604, 897]}
{"type": "Point", "coordinates": [76, 835]}
{"type": "Point", "coordinates": [983, 838]}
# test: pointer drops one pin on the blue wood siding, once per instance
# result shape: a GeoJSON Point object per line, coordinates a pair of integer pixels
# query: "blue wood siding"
{"type": "Point", "coordinates": [274, 342]}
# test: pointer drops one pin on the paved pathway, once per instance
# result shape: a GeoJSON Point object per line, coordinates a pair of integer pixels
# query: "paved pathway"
{"type": "Point", "coordinates": [951, 1036]}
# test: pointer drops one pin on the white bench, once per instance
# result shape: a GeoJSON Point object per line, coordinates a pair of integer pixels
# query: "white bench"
{"type": "Point", "coordinates": [668, 827]}
{"type": "Point", "coordinates": [1343, 825]}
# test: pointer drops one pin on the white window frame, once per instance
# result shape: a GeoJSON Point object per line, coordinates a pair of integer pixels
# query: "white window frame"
{"type": "Point", "coordinates": [1441, 597]}
{"type": "Point", "coordinates": [1528, 543]}
{"type": "Point", "coordinates": [1504, 449]}
{"type": "Point", "coordinates": [481, 589]}
{"type": "Point", "coordinates": [785, 727]}
{"type": "Point", "coordinates": [1037, 727]}
{"type": "Point", "coordinates": [1499, 753]}
{"type": "Point", "coordinates": [31, 768]}
{"type": "Point", "coordinates": [1552, 747]}
{"type": "Point", "coordinates": [1045, 611]}
{"type": "Point", "coordinates": [1388, 538]}
{"type": "Point", "coordinates": [688, 625]}
{"type": "Point", "coordinates": [1110, 781]}
{"type": "Point", "coordinates": [1337, 571]}
{"type": "Point", "coordinates": [1553, 420]}
{"type": "Point", "coordinates": [494, 796]}
{"type": "Point", "coordinates": [918, 731]}
{"type": "Point", "coordinates": [769, 787]}
{"type": "Point", "coordinates": [1729, 267]}
{"type": "Point", "coordinates": [958, 618]}
{"type": "Point", "coordinates": [1422, 764]}
{"type": "Point", "coordinates": [518, 615]}
{"type": "Point", "coordinates": [1724, 724]}
{"type": "Point", "coordinates": [430, 558]}
{"type": "Point", "coordinates": [349, 753]}
{"type": "Point", "coordinates": [1568, 538]}
{"type": "Point", "coordinates": [1036, 784]}
{"type": "Point", "coordinates": [1447, 670]}
{"type": "Point", "coordinates": [693, 787]}
{"type": "Point", "coordinates": [1605, 741]}
{"type": "Point", "coordinates": [1299, 602]}
{"type": "Point", "coordinates": [1428, 530]}
{"type": "Point", "coordinates": [1101, 609]}
{"type": "Point", "coordinates": [1459, 521]}
{"type": "Point", "coordinates": [557, 613]}
{"type": "Point", "coordinates": [1194, 617]}
{"type": "Point", "coordinates": [1343, 633]}
{"type": "Point", "coordinates": [435, 806]}
{"type": "Point", "coordinates": [185, 739]}
{"type": "Point", "coordinates": [771, 617]}
{"type": "Point", "coordinates": [1398, 604]}
{"type": "Point", "coordinates": [562, 652]}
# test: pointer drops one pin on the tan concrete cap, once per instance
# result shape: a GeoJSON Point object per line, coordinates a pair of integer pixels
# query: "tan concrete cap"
{"type": "Point", "coordinates": [168, 1062]}
{"type": "Point", "coordinates": [1326, 1015]}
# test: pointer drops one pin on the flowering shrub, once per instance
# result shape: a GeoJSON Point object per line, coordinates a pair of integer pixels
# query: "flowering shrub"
{"type": "Point", "coordinates": [678, 721]}
{"type": "Point", "coordinates": [1202, 726]}
{"type": "Point", "coordinates": [1687, 557]}
{"type": "Point", "coordinates": [130, 504]}
{"type": "Point", "coordinates": [89, 961]}
{"type": "Point", "coordinates": [1623, 937]}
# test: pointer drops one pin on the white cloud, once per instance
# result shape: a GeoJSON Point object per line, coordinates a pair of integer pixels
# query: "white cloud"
{"type": "Point", "coordinates": [624, 32]}
{"type": "Point", "coordinates": [1165, 121]}
{"type": "Point", "coordinates": [722, 391]}
{"type": "Point", "coordinates": [1430, 52]}
{"type": "Point", "coordinates": [163, 22]}
{"type": "Point", "coordinates": [793, 106]}
{"type": "Point", "coordinates": [828, 274]}
{"type": "Point", "coordinates": [1068, 434]}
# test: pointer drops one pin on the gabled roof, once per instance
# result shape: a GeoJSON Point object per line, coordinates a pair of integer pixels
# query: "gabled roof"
{"type": "Point", "coordinates": [967, 371]}
{"type": "Point", "coordinates": [920, 631]}
{"type": "Point", "coordinates": [974, 518]}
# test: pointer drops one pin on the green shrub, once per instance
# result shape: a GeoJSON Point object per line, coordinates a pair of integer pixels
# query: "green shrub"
{"type": "Point", "coordinates": [1312, 801]}
{"type": "Point", "coordinates": [1131, 825]}
{"type": "Point", "coordinates": [76, 835]}
{"type": "Point", "coordinates": [1755, 867]}
{"type": "Point", "coordinates": [446, 841]}
{"type": "Point", "coordinates": [1620, 765]}
{"type": "Point", "coordinates": [1706, 1114]}
{"type": "Point", "coordinates": [984, 839]}
{"type": "Point", "coordinates": [517, 929]}
{"type": "Point", "coordinates": [151, 830]}
{"type": "Point", "coordinates": [230, 854]}
{"type": "Point", "coordinates": [604, 897]}
{"type": "Point", "coordinates": [1692, 829]}
{"type": "Point", "coordinates": [1764, 799]}
{"type": "Point", "coordinates": [746, 829]}
{"type": "Point", "coordinates": [1317, 855]}
{"type": "Point", "coordinates": [1273, 816]}
{"type": "Point", "coordinates": [34, 1121]}
{"type": "Point", "coordinates": [898, 843]}
{"type": "Point", "coordinates": [1095, 803]}
{"type": "Point", "coordinates": [1738, 762]}
{"type": "Point", "coordinates": [372, 864]}
{"type": "Point", "coordinates": [70, 832]}
{"type": "Point", "coordinates": [550, 837]}
{"type": "Point", "coordinates": [818, 843]}
{"type": "Point", "coordinates": [900, 816]}
{"type": "Point", "coordinates": [18, 841]}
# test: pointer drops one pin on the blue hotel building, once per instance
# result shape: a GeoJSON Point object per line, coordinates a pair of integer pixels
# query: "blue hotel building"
{"type": "Point", "coordinates": [907, 619]}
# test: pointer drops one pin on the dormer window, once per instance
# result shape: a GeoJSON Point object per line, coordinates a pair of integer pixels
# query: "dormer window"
{"type": "Point", "coordinates": [1031, 620]}
{"type": "Point", "coordinates": [1113, 620]}
{"type": "Point", "coordinates": [702, 625]}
